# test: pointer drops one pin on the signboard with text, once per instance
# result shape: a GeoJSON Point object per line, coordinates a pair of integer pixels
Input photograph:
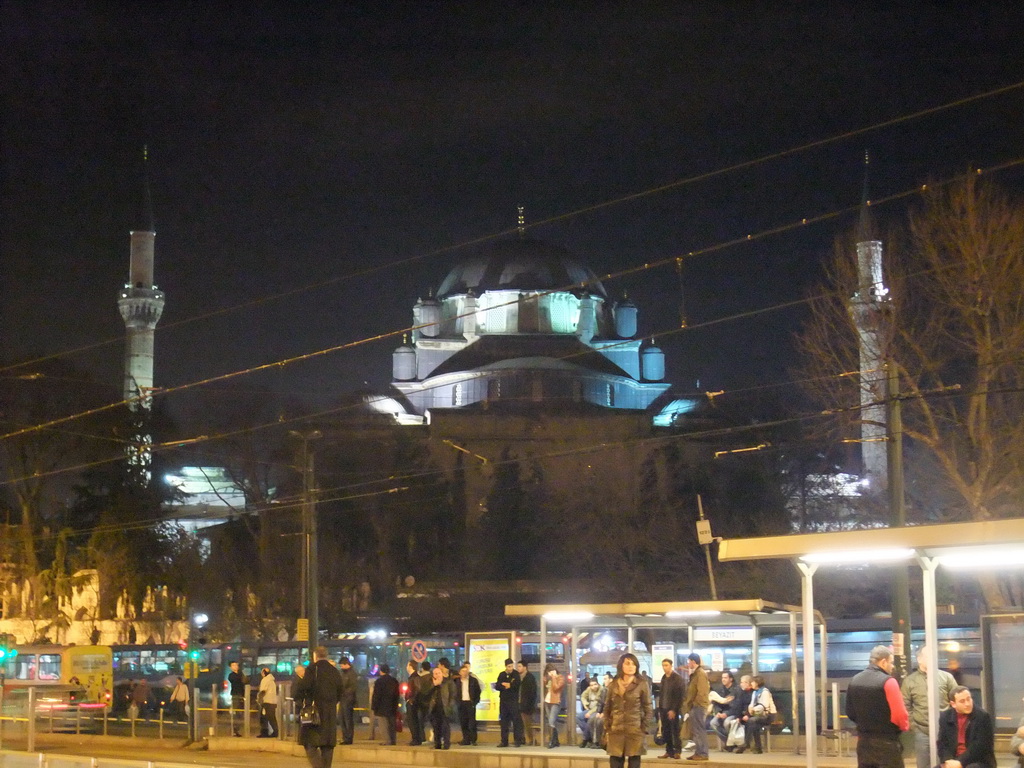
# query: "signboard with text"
{"type": "Point", "coordinates": [661, 651]}
{"type": "Point", "coordinates": [486, 652]}
{"type": "Point", "coordinates": [723, 634]}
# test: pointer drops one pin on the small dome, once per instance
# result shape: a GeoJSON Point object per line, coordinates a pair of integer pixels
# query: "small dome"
{"type": "Point", "coordinates": [528, 265]}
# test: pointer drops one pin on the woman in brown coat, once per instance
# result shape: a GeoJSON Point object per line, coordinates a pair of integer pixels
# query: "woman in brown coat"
{"type": "Point", "coordinates": [627, 714]}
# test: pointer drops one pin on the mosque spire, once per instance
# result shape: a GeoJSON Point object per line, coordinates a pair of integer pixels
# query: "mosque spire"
{"type": "Point", "coordinates": [868, 309]}
{"type": "Point", "coordinates": [141, 303]}
{"type": "Point", "coordinates": [866, 223]}
{"type": "Point", "coordinates": [147, 194]}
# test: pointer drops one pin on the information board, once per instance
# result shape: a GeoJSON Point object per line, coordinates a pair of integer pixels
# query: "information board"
{"type": "Point", "coordinates": [486, 652]}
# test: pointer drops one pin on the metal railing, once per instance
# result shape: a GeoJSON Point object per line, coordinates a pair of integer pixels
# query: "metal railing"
{"type": "Point", "coordinates": [10, 759]}
{"type": "Point", "coordinates": [27, 712]}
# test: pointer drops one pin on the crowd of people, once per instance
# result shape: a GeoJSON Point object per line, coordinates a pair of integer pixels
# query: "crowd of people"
{"type": "Point", "coordinates": [616, 711]}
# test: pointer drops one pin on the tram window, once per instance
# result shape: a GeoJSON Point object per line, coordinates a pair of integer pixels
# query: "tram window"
{"type": "Point", "coordinates": [49, 666]}
{"type": "Point", "coordinates": [159, 662]}
{"type": "Point", "coordinates": [25, 667]}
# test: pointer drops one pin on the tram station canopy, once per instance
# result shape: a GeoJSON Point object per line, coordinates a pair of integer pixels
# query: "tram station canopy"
{"type": "Point", "coordinates": [980, 545]}
{"type": "Point", "coordinates": [756, 613]}
{"type": "Point", "coordinates": [672, 615]}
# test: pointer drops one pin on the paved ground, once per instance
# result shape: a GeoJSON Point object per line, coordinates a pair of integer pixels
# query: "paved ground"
{"type": "Point", "coordinates": [243, 753]}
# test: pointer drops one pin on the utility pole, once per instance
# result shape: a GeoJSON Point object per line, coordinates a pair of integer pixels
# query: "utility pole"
{"type": "Point", "coordinates": [705, 539]}
{"type": "Point", "coordinates": [310, 570]}
{"type": "Point", "coordinates": [897, 508]}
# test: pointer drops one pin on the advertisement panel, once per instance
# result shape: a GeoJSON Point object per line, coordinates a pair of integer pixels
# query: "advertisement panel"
{"type": "Point", "coordinates": [486, 652]}
{"type": "Point", "coordinates": [661, 651]}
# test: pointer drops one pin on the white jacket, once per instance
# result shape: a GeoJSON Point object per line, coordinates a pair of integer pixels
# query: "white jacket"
{"type": "Point", "coordinates": [764, 699]}
{"type": "Point", "coordinates": [268, 690]}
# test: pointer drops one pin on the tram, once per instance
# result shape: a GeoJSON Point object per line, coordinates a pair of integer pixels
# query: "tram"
{"type": "Point", "coordinates": [81, 674]}
{"type": "Point", "coordinates": [161, 665]}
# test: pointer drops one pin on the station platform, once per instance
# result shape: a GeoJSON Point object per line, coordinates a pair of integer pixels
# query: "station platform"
{"type": "Point", "coordinates": [228, 752]}
{"type": "Point", "coordinates": [491, 756]}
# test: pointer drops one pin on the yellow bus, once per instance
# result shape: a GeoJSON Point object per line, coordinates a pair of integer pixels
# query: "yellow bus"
{"type": "Point", "coordinates": [85, 672]}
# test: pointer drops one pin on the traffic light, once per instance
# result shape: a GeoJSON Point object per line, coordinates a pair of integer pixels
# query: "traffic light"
{"type": "Point", "coordinates": [7, 649]}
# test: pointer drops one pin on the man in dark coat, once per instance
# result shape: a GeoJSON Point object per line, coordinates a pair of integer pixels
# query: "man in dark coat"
{"type": "Point", "coordinates": [412, 705]}
{"type": "Point", "coordinates": [467, 696]}
{"type": "Point", "coordinates": [527, 701]}
{"type": "Point", "coordinates": [507, 687]}
{"type": "Point", "coordinates": [322, 686]}
{"type": "Point", "coordinates": [670, 702]}
{"type": "Point", "coordinates": [346, 714]}
{"type": "Point", "coordinates": [384, 703]}
{"type": "Point", "coordinates": [236, 687]}
{"type": "Point", "coordinates": [966, 736]}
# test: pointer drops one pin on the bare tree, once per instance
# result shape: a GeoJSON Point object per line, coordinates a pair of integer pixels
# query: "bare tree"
{"type": "Point", "coordinates": [37, 466]}
{"type": "Point", "coordinates": [956, 339]}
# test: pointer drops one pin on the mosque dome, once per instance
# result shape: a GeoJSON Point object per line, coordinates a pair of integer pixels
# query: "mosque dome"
{"type": "Point", "coordinates": [521, 264]}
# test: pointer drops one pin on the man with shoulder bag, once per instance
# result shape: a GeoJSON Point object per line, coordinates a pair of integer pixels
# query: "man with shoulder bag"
{"type": "Point", "coordinates": [317, 695]}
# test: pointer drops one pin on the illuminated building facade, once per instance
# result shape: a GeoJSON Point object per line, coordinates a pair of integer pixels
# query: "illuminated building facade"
{"type": "Point", "coordinates": [524, 324]}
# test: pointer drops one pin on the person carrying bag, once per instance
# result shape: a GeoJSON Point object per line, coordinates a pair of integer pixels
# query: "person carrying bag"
{"type": "Point", "coordinates": [318, 694]}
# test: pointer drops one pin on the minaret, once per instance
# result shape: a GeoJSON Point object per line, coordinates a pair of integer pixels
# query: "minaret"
{"type": "Point", "coordinates": [869, 308]}
{"type": "Point", "coordinates": [141, 305]}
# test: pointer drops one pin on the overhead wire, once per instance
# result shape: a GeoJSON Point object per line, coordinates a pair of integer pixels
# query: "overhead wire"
{"type": "Point", "coordinates": [164, 391]}
{"type": "Point", "coordinates": [521, 226]}
{"type": "Point", "coordinates": [294, 502]}
{"type": "Point", "coordinates": [631, 270]}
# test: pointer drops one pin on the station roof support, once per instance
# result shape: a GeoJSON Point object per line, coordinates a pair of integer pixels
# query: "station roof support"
{"type": "Point", "coordinates": [987, 544]}
{"type": "Point", "coordinates": [673, 615]}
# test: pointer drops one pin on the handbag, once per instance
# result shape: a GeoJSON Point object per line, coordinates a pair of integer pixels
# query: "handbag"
{"type": "Point", "coordinates": [737, 734]}
{"type": "Point", "coordinates": [309, 713]}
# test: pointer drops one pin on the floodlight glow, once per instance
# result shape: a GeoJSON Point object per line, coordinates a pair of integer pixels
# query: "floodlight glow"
{"type": "Point", "coordinates": [561, 616]}
{"type": "Point", "coordinates": [858, 556]}
{"type": "Point", "coordinates": [984, 558]}
{"type": "Point", "coordinates": [200, 619]}
{"type": "Point", "coordinates": [678, 614]}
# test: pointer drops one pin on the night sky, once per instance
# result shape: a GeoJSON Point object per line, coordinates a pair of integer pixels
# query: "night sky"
{"type": "Point", "coordinates": [301, 144]}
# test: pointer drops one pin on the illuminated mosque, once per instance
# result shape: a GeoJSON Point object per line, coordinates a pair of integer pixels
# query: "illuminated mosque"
{"type": "Point", "coordinates": [525, 324]}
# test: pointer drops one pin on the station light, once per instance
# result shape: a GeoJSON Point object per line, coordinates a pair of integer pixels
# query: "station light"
{"type": "Point", "coordinates": [983, 557]}
{"type": "Point", "coordinates": [568, 616]}
{"type": "Point", "coordinates": [853, 556]}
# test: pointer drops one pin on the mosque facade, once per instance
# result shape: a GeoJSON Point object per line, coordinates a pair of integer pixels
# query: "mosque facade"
{"type": "Point", "coordinates": [525, 324]}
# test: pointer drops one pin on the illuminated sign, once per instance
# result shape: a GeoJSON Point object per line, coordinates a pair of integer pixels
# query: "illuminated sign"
{"type": "Point", "coordinates": [487, 654]}
{"type": "Point", "coordinates": [723, 634]}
